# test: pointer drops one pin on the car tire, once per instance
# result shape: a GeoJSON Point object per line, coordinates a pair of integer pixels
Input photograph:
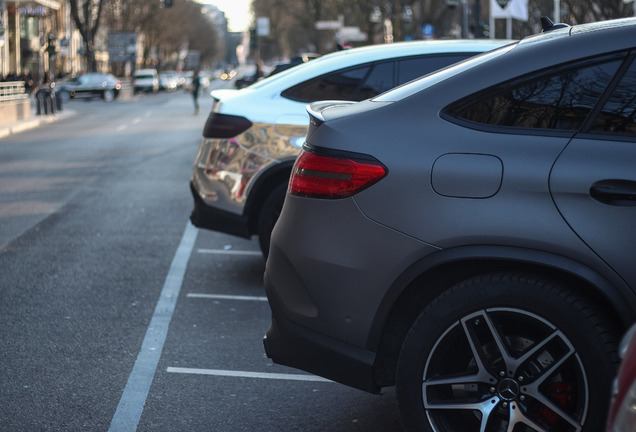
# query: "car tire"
{"type": "Point", "coordinates": [559, 352]}
{"type": "Point", "coordinates": [108, 95]}
{"type": "Point", "coordinates": [65, 96]}
{"type": "Point", "coordinates": [269, 215]}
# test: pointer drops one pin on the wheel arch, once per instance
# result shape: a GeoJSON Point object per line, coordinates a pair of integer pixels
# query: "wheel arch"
{"type": "Point", "coordinates": [406, 298]}
{"type": "Point", "coordinates": [262, 188]}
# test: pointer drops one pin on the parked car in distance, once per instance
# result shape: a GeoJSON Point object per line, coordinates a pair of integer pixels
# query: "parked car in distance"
{"type": "Point", "coordinates": [146, 80]}
{"type": "Point", "coordinates": [168, 81]}
{"type": "Point", "coordinates": [204, 80]}
{"type": "Point", "coordinates": [252, 136]}
{"type": "Point", "coordinates": [469, 237]}
{"type": "Point", "coordinates": [295, 61]}
{"type": "Point", "coordinates": [622, 415]}
{"type": "Point", "coordinates": [89, 85]}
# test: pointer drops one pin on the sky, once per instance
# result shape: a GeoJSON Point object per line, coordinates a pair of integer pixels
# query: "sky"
{"type": "Point", "coordinates": [236, 11]}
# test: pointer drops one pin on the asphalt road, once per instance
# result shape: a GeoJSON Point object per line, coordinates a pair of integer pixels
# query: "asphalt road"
{"type": "Point", "coordinates": [115, 313]}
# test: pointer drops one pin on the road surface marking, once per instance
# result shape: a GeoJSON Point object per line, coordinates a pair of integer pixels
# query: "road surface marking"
{"type": "Point", "coordinates": [226, 297]}
{"type": "Point", "coordinates": [229, 252]}
{"type": "Point", "coordinates": [131, 404]}
{"type": "Point", "coordinates": [243, 374]}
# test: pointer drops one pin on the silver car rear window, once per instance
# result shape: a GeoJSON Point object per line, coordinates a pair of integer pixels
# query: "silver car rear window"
{"type": "Point", "coordinates": [431, 79]}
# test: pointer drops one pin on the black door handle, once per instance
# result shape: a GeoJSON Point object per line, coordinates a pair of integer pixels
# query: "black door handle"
{"type": "Point", "coordinates": [620, 193]}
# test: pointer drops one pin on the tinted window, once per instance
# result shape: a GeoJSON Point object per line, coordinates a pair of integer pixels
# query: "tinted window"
{"type": "Point", "coordinates": [412, 68]}
{"type": "Point", "coordinates": [559, 101]}
{"type": "Point", "coordinates": [378, 81]}
{"type": "Point", "coordinates": [341, 85]}
{"type": "Point", "coordinates": [619, 112]}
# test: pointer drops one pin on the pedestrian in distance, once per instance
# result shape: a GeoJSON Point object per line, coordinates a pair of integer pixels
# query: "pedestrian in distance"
{"type": "Point", "coordinates": [196, 84]}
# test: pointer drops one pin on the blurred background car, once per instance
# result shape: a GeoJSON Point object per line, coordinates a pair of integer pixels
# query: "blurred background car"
{"type": "Point", "coordinates": [304, 58]}
{"type": "Point", "coordinates": [89, 85]}
{"type": "Point", "coordinates": [146, 80]}
{"type": "Point", "coordinates": [204, 80]}
{"type": "Point", "coordinates": [168, 81]}
{"type": "Point", "coordinates": [467, 237]}
{"type": "Point", "coordinates": [252, 136]}
{"type": "Point", "coordinates": [251, 78]}
{"type": "Point", "coordinates": [622, 415]}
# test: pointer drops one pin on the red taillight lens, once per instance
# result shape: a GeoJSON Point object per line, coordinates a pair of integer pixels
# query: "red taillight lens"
{"type": "Point", "coordinates": [225, 126]}
{"type": "Point", "coordinates": [331, 177]}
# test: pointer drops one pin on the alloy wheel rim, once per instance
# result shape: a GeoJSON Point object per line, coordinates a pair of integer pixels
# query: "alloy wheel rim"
{"type": "Point", "coordinates": [509, 370]}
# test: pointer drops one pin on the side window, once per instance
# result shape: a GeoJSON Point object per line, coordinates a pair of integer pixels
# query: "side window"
{"type": "Point", "coordinates": [618, 115]}
{"type": "Point", "coordinates": [379, 80]}
{"type": "Point", "coordinates": [560, 101]}
{"type": "Point", "coordinates": [412, 68]}
{"type": "Point", "coordinates": [340, 85]}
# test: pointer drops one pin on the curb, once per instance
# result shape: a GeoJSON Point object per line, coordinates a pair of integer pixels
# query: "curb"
{"type": "Point", "coordinates": [24, 125]}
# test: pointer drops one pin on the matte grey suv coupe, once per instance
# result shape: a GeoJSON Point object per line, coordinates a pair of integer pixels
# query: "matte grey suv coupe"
{"type": "Point", "coordinates": [252, 136]}
{"type": "Point", "coordinates": [470, 237]}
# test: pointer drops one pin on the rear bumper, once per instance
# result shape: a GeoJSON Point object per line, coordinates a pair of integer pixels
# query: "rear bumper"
{"type": "Point", "coordinates": [204, 216]}
{"type": "Point", "coordinates": [290, 344]}
{"type": "Point", "coordinates": [326, 278]}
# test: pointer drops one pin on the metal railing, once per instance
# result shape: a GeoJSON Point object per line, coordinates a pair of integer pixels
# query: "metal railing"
{"type": "Point", "coordinates": [12, 91]}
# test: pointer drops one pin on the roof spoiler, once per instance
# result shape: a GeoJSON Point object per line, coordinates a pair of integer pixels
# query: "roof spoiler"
{"type": "Point", "coordinates": [547, 25]}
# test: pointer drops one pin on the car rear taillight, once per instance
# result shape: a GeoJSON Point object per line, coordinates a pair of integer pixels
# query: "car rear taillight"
{"type": "Point", "coordinates": [333, 176]}
{"type": "Point", "coordinates": [225, 126]}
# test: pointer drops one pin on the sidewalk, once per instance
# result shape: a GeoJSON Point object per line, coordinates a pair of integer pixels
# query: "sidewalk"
{"type": "Point", "coordinates": [34, 121]}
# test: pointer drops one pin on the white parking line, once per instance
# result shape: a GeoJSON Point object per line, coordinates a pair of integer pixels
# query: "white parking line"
{"type": "Point", "coordinates": [243, 374]}
{"type": "Point", "coordinates": [229, 252]}
{"type": "Point", "coordinates": [226, 297]}
{"type": "Point", "coordinates": [131, 404]}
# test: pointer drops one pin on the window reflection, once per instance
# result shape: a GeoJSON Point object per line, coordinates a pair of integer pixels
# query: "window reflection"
{"type": "Point", "coordinates": [561, 101]}
{"type": "Point", "coordinates": [619, 112]}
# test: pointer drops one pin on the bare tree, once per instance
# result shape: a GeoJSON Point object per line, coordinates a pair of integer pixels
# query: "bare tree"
{"type": "Point", "coordinates": [86, 17]}
{"type": "Point", "coordinates": [166, 30]}
{"type": "Point", "coordinates": [292, 22]}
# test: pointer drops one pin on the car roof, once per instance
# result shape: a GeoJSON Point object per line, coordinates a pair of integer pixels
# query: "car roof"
{"type": "Point", "coordinates": [352, 57]}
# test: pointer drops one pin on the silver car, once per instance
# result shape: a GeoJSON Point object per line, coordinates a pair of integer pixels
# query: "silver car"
{"type": "Point", "coordinates": [469, 237]}
{"type": "Point", "coordinates": [253, 135]}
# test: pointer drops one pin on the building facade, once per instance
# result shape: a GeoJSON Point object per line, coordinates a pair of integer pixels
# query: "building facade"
{"type": "Point", "coordinates": [38, 37]}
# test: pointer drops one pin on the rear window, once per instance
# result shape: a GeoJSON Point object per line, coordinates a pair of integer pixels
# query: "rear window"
{"type": "Point", "coordinates": [413, 68]}
{"type": "Point", "coordinates": [340, 85]}
{"type": "Point", "coordinates": [369, 80]}
{"type": "Point", "coordinates": [557, 100]}
{"type": "Point", "coordinates": [413, 87]}
{"type": "Point", "coordinates": [144, 76]}
{"type": "Point", "coordinates": [618, 115]}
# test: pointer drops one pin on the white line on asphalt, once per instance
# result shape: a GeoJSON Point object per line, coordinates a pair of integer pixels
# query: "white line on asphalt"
{"type": "Point", "coordinates": [243, 374]}
{"type": "Point", "coordinates": [136, 120]}
{"type": "Point", "coordinates": [121, 128]}
{"type": "Point", "coordinates": [226, 297]}
{"type": "Point", "coordinates": [228, 252]}
{"type": "Point", "coordinates": [132, 401]}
